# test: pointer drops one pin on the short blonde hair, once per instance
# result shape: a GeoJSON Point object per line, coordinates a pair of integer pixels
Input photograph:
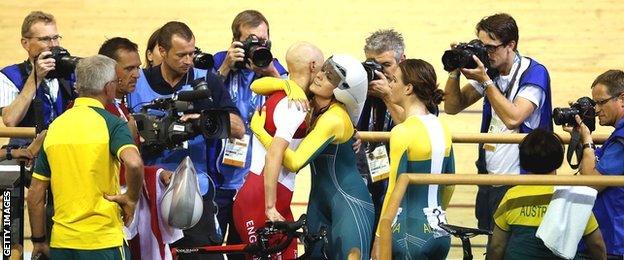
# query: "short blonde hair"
{"type": "Point", "coordinates": [34, 17]}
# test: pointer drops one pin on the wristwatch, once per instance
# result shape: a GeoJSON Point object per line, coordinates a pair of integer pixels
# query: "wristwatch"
{"type": "Point", "coordinates": [589, 145]}
{"type": "Point", "coordinates": [487, 83]}
{"type": "Point", "coordinates": [9, 156]}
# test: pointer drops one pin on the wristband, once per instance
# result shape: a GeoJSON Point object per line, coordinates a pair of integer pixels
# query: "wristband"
{"type": "Point", "coordinates": [9, 156]}
{"type": "Point", "coordinates": [589, 145]}
{"type": "Point", "coordinates": [453, 75]}
{"type": "Point", "coordinates": [40, 239]}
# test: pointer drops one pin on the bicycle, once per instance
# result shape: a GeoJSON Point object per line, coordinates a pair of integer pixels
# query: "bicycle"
{"type": "Point", "coordinates": [263, 248]}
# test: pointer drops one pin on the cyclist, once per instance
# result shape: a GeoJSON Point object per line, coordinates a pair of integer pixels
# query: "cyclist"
{"type": "Point", "coordinates": [421, 144]}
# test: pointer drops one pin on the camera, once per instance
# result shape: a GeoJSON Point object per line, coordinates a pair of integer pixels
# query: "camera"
{"type": "Point", "coordinates": [160, 126]}
{"type": "Point", "coordinates": [203, 60]}
{"type": "Point", "coordinates": [257, 50]}
{"type": "Point", "coordinates": [461, 57]}
{"type": "Point", "coordinates": [370, 66]}
{"type": "Point", "coordinates": [584, 107]}
{"type": "Point", "coordinates": [64, 63]}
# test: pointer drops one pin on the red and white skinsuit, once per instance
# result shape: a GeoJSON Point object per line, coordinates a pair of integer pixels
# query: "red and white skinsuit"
{"type": "Point", "coordinates": [249, 206]}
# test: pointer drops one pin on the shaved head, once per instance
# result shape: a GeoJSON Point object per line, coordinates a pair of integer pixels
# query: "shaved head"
{"type": "Point", "coordinates": [301, 54]}
{"type": "Point", "coordinates": [304, 60]}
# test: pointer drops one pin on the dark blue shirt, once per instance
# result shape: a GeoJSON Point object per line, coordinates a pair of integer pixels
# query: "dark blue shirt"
{"type": "Point", "coordinates": [609, 205]}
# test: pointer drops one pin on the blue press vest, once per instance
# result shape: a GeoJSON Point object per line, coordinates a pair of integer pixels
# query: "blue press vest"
{"type": "Point", "coordinates": [536, 75]}
{"type": "Point", "coordinates": [50, 109]}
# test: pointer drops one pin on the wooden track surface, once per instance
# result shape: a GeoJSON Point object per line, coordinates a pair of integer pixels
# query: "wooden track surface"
{"type": "Point", "coordinates": [576, 40]}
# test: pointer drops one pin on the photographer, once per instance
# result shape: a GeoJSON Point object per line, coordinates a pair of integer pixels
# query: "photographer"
{"type": "Point", "coordinates": [608, 93]}
{"type": "Point", "coordinates": [25, 103]}
{"type": "Point", "coordinates": [516, 101]}
{"type": "Point", "coordinates": [176, 44]}
{"type": "Point", "coordinates": [238, 67]}
{"type": "Point", "coordinates": [19, 93]}
{"type": "Point", "coordinates": [385, 48]}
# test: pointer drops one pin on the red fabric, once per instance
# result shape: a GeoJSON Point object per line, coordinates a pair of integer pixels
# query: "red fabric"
{"type": "Point", "coordinates": [269, 125]}
{"type": "Point", "coordinates": [113, 110]}
{"type": "Point", "coordinates": [248, 211]}
{"type": "Point", "coordinates": [135, 242]}
{"type": "Point", "coordinates": [151, 180]}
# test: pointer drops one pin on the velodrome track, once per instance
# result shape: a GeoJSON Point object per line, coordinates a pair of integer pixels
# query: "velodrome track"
{"type": "Point", "coordinates": [576, 40]}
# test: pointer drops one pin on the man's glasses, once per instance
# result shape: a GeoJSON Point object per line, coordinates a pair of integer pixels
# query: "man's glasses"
{"type": "Point", "coordinates": [604, 101]}
{"type": "Point", "coordinates": [492, 48]}
{"type": "Point", "coordinates": [47, 39]}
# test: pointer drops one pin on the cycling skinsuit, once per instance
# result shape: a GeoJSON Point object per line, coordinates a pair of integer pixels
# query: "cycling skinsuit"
{"type": "Point", "coordinates": [339, 199]}
{"type": "Point", "coordinates": [248, 209]}
{"type": "Point", "coordinates": [421, 144]}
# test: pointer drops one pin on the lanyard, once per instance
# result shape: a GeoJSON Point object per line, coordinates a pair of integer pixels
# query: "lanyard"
{"type": "Point", "coordinates": [507, 91]}
{"type": "Point", "coordinates": [245, 100]}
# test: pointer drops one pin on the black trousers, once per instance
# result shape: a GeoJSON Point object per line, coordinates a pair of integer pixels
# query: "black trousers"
{"type": "Point", "coordinates": [488, 198]}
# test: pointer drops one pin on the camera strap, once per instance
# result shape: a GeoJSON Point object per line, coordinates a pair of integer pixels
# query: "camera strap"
{"type": "Point", "coordinates": [511, 83]}
{"type": "Point", "coordinates": [38, 105]}
{"type": "Point", "coordinates": [575, 147]}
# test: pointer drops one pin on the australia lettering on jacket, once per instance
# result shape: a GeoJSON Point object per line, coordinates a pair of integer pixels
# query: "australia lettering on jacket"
{"type": "Point", "coordinates": [533, 210]}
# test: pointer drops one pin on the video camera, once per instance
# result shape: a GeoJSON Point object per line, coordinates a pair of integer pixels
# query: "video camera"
{"type": "Point", "coordinates": [370, 66]}
{"type": "Point", "coordinates": [584, 107]}
{"type": "Point", "coordinates": [258, 50]}
{"type": "Point", "coordinates": [167, 131]}
{"type": "Point", "coordinates": [64, 63]}
{"type": "Point", "coordinates": [203, 60]}
{"type": "Point", "coordinates": [460, 57]}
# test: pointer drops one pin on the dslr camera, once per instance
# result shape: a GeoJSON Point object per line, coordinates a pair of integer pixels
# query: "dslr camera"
{"type": "Point", "coordinates": [257, 50]}
{"type": "Point", "coordinates": [159, 121]}
{"type": "Point", "coordinates": [64, 63]}
{"type": "Point", "coordinates": [370, 66]}
{"type": "Point", "coordinates": [203, 60]}
{"type": "Point", "coordinates": [584, 107]}
{"type": "Point", "coordinates": [460, 57]}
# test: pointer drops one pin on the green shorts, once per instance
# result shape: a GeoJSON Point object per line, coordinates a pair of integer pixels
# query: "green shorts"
{"type": "Point", "coordinates": [113, 253]}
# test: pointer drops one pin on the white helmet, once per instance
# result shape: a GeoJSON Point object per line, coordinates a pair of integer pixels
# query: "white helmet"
{"type": "Point", "coordinates": [353, 87]}
{"type": "Point", "coordinates": [181, 204]}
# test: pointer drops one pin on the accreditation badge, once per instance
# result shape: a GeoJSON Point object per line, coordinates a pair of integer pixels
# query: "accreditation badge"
{"type": "Point", "coordinates": [236, 151]}
{"type": "Point", "coordinates": [496, 126]}
{"type": "Point", "coordinates": [378, 163]}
